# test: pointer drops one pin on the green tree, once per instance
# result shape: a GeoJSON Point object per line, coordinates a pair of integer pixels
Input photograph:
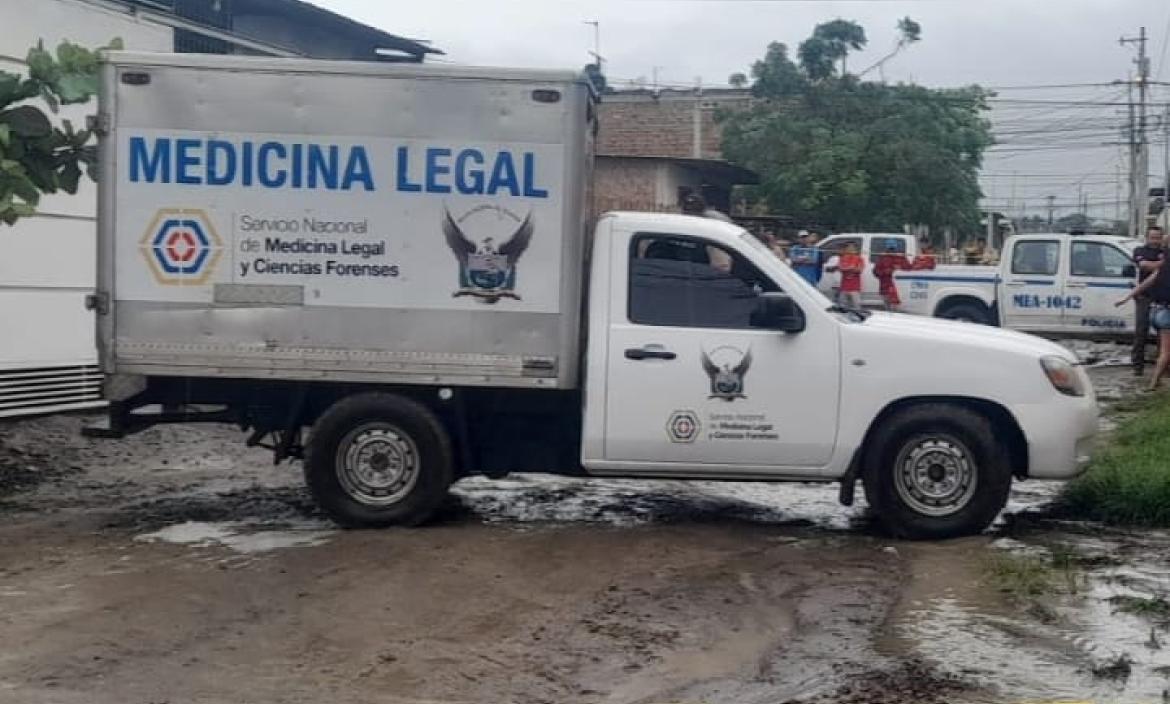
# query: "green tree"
{"type": "Point", "coordinates": [853, 154]}
{"type": "Point", "coordinates": [36, 156]}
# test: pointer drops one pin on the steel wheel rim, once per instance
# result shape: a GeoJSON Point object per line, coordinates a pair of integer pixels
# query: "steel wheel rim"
{"type": "Point", "coordinates": [935, 475]}
{"type": "Point", "coordinates": [377, 464]}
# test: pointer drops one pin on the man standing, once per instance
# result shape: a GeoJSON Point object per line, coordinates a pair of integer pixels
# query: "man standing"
{"type": "Point", "coordinates": [806, 259]}
{"type": "Point", "coordinates": [926, 259]}
{"type": "Point", "coordinates": [1148, 258]}
{"type": "Point", "coordinates": [889, 262]}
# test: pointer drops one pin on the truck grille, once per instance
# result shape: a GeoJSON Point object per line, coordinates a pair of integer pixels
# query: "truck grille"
{"type": "Point", "coordinates": [49, 390]}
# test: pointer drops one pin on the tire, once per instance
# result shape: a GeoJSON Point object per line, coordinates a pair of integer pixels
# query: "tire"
{"type": "Point", "coordinates": [967, 312]}
{"type": "Point", "coordinates": [936, 471]}
{"type": "Point", "coordinates": [377, 459]}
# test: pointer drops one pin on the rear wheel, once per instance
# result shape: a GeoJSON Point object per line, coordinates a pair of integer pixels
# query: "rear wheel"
{"type": "Point", "coordinates": [378, 459]}
{"type": "Point", "coordinates": [967, 313]}
{"type": "Point", "coordinates": [936, 471]}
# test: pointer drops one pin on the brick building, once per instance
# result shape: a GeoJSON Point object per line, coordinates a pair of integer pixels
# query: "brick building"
{"type": "Point", "coordinates": [654, 147]}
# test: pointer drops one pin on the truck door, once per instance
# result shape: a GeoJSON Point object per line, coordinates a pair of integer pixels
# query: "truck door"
{"type": "Point", "coordinates": [1030, 297]}
{"type": "Point", "coordinates": [1099, 273]}
{"type": "Point", "coordinates": [689, 382]}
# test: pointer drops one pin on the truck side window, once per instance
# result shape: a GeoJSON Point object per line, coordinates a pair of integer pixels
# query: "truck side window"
{"type": "Point", "coordinates": [1036, 257]}
{"type": "Point", "coordinates": [1098, 259]}
{"type": "Point", "coordinates": [877, 245]}
{"type": "Point", "coordinates": [686, 282]}
{"type": "Point", "coordinates": [837, 245]}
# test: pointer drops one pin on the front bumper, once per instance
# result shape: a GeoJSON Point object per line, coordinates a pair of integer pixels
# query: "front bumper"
{"type": "Point", "coordinates": [1060, 435]}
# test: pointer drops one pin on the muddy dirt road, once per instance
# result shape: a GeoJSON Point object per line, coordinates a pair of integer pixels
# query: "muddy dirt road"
{"type": "Point", "coordinates": [179, 567]}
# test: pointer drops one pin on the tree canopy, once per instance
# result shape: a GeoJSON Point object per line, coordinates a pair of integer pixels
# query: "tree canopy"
{"type": "Point", "coordinates": [854, 154]}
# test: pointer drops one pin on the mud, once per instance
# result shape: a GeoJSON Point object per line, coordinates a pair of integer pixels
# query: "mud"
{"type": "Point", "coordinates": [180, 566]}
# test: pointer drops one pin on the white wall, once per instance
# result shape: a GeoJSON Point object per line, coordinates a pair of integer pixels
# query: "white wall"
{"type": "Point", "coordinates": [47, 262]}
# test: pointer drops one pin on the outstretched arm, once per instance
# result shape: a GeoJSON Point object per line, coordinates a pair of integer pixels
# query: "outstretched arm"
{"type": "Point", "coordinates": [1141, 288]}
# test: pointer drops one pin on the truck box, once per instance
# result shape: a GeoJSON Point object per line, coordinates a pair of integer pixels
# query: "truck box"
{"type": "Point", "coordinates": [338, 221]}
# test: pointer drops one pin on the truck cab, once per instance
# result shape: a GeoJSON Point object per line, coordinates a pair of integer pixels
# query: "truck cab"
{"type": "Point", "coordinates": [1054, 283]}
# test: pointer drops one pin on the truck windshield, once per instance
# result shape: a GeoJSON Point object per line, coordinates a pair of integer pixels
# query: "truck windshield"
{"type": "Point", "coordinates": [794, 281]}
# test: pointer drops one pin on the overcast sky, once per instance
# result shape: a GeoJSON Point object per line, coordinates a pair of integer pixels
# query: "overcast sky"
{"type": "Point", "coordinates": [996, 43]}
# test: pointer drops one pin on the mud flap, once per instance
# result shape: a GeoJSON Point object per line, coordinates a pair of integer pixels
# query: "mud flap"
{"type": "Point", "coordinates": [849, 480]}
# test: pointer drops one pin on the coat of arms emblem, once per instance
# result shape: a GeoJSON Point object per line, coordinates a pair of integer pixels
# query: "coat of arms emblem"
{"type": "Point", "coordinates": [727, 371]}
{"type": "Point", "coordinates": [487, 269]}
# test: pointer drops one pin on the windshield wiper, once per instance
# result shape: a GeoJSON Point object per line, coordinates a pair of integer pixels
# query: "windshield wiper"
{"type": "Point", "coordinates": [861, 315]}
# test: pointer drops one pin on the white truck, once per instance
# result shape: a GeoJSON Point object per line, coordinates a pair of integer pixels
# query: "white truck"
{"type": "Point", "coordinates": [1055, 283]}
{"type": "Point", "coordinates": [48, 359]}
{"type": "Point", "coordinates": [385, 271]}
{"type": "Point", "coordinates": [869, 245]}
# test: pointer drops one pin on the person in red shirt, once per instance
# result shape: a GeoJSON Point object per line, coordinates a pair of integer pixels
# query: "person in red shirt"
{"type": "Point", "coordinates": [887, 263]}
{"type": "Point", "coordinates": [851, 265]}
{"type": "Point", "coordinates": [926, 258]}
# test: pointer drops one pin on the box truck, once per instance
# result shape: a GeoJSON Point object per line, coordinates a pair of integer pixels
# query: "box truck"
{"type": "Point", "coordinates": [386, 271]}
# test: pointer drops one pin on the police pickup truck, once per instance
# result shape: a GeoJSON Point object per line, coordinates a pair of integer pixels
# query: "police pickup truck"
{"type": "Point", "coordinates": [406, 291]}
{"type": "Point", "coordinates": [1063, 284]}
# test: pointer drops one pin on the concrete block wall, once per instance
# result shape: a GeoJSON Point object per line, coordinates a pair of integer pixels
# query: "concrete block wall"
{"type": "Point", "coordinates": [678, 124]}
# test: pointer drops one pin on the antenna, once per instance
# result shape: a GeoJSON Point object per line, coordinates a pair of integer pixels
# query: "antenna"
{"type": "Point", "coordinates": [596, 53]}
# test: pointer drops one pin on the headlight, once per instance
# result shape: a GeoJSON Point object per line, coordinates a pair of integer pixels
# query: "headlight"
{"type": "Point", "coordinates": [1063, 376]}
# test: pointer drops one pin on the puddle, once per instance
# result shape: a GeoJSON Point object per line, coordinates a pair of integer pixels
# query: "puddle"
{"type": "Point", "coordinates": [953, 618]}
{"type": "Point", "coordinates": [240, 536]}
{"type": "Point", "coordinates": [541, 498]}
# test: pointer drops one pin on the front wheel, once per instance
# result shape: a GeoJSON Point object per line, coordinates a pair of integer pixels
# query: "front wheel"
{"type": "Point", "coordinates": [936, 471]}
{"type": "Point", "coordinates": [377, 459]}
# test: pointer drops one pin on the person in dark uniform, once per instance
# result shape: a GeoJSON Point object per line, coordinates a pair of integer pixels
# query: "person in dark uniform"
{"type": "Point", "coordinates": [1156, 290]}
{"type": "Point", "coordinates": [1148, 258]}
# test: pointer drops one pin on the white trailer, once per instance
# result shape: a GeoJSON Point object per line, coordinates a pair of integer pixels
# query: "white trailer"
{"type": "Point", "coordinates": [48, 357]}
{"type": "Point", "coordinates": [396, 257]}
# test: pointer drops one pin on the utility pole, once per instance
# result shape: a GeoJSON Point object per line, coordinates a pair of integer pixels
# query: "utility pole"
{"type": "Point", "coordinates": [1117, 200]}
{"type": "Point", "coordinates": [1139, 139]}
{"type": "Point", "coordinates": [1166, 156]}
{"type": "Point", "coordinates": [1050, 199]}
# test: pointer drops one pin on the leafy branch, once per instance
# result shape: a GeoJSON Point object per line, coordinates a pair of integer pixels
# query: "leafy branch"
{"type": "Point", "coordinates": [36, 156]}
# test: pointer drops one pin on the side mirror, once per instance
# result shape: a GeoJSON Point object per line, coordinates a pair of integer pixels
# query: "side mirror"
{"type": "Point", "coordinates": [776, 311]}
{"type": "Point", "coordinates": [1129, 271]}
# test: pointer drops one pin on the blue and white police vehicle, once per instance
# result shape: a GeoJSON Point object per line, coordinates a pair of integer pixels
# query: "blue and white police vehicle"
{"type": "Point", "coordinates": [1054, 283]}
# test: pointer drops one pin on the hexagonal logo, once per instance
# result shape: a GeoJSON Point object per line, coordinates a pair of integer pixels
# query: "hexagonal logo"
{"type": "Point", "coordinates": [181, 246]}
{"type": "Point", "coordinates": [683, 426]}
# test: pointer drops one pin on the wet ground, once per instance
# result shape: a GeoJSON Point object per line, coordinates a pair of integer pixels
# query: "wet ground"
{"type": "Point", "coordinates": [179, 566]}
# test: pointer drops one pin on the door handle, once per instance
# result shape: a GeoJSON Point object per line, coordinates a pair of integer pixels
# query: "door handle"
{"type": "Point", "coordinates": [649, 352]}
{"type": "Point", "coordinates": [1070, 284]}
{"type": "Point", "coordinates": [1015, 283]}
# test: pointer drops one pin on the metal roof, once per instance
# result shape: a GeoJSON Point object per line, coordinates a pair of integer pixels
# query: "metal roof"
{"type": "Point", "coordinates": [376, 38]}
{"type": "Point", "coordinates": [719, 168]}
{"type": "Point", "coordinates": [367, 43]}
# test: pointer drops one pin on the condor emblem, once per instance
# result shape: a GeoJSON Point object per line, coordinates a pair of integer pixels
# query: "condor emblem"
{"type": "Point", "coordinates": [726, 367]}
{"type": "Point", "coordinates": [487, 270]}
